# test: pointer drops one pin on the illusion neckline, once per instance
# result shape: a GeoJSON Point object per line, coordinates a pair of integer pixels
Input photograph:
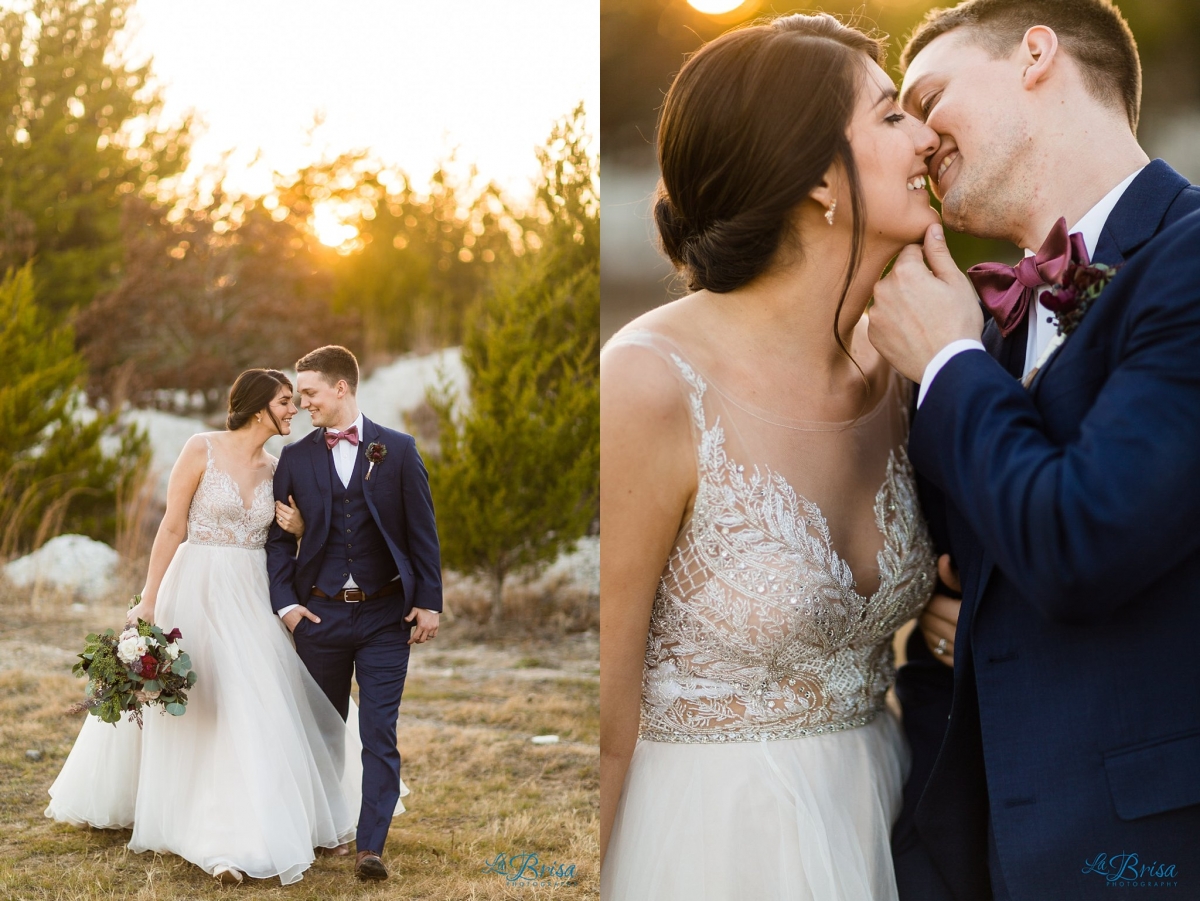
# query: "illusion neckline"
{"type": "Point", "coordinates": [235, 487]}
{"type": "Point", "coordinates": [768, 416]}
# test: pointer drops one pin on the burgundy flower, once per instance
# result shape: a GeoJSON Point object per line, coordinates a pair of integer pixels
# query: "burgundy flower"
{"type": "Point", "coordinates": [1060, 300]}
{"type": "Point", "coordinates": [375, 454]}
{"type": "Point", "coordinates": [148, 666]}
{"type": "Point", "coordinates": [173, 635]}
{"type": "Point", "coordinates": [1080, 287]}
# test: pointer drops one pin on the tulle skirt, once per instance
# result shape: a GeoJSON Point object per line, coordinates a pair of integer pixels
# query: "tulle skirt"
{"type": "Point", "coordinates": [258, 772]}
{"type": "Point", "coordinates": [806, 819]}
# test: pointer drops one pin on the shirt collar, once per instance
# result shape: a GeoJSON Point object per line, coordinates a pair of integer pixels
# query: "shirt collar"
{"type": "Point", "coordinates": [1092, 222]}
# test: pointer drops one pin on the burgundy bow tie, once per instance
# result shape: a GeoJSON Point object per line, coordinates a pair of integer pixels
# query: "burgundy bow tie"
{"type": "Point", "coordinates": [333, 436]}
{"type": "Point", "coordinates": [1007, 291]}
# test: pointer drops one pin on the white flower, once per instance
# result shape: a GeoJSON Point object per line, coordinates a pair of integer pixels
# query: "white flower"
{"type": "Point", "coordinates": [128, 649]}
{"type": "Point", "coordinates": [131, 632]}
{"type": "Point", "coordinates": [173, 651]}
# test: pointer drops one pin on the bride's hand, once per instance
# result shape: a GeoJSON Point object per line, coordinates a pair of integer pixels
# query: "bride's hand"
{"type": "Point", "coordinates": [939, 621]}
{"type": "Point", "coordinates": [143, 611]}
{"type": "Point", "coordinates": [289, 518]}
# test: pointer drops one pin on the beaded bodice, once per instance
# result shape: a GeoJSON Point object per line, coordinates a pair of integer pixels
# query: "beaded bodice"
{"type": "Point", "coordinates": [759, 629]}
{"type": "Point", "coordinates": [218, 516]}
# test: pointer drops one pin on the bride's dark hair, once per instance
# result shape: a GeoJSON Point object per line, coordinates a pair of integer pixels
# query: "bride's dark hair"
{"type": "Point", "coordinates": [252, 392]}
{"type": "Point", "coordinates": [750, 125]}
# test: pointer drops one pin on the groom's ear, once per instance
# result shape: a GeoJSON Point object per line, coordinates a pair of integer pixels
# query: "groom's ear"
{"type": "Point", "coordinates": [1037, 54]}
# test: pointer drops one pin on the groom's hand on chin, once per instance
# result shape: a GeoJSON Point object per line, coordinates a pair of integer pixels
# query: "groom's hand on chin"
{"type": "Point", "coordinates": [917, 311]}
{"type": "Point", "coordinates": [292, 618]}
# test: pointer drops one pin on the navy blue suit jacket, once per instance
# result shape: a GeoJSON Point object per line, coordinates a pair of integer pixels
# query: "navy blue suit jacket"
{"type": "Point", "coordinates": [397, 494]}
{"type": "Point", "coordinates": [1073, 513]}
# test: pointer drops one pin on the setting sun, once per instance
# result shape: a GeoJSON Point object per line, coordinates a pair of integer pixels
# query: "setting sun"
{"type": "Point", "coordinates": [329, 227]}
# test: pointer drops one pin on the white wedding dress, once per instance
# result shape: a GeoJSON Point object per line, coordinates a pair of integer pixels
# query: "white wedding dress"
{"type": "Point", "coordinates": [768, 767]}
{"type": "Point", "coordinates": [261, 769]}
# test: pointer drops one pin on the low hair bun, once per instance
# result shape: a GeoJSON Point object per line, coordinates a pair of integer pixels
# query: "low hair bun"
{"type": "Point", "coordinates": [236, 419]}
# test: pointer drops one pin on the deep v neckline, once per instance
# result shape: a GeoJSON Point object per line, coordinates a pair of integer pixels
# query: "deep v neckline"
{"type": "Point", "coordinates": [235, 488]}
{"type": "Point", "coordinates": [812, 518]}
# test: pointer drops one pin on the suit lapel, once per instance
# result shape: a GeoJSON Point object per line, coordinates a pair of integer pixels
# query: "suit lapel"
{"type": "Point", "coordinates": [319, 455]}
{"type": "Point", "coordinates": [370, 434]}
{"type": "Point", "coordinates": [1137, 217]}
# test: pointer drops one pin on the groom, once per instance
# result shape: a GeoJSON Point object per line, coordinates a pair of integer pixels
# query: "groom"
{"type": "Point", "coordinates": [1066, 481]}
{"type": "Point", "coordinates": [366, 583]}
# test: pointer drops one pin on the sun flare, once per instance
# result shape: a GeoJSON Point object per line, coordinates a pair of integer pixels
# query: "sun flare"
{"type": "Point", "coordinates": [715, 7]}
{"type": "Point", "coordinates": [327, 224]}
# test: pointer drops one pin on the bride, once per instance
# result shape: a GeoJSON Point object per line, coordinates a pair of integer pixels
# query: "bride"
{"type": "Point", "coordinates": [260, 770]}
{"type": "Point", "coordinates": [763, 538]}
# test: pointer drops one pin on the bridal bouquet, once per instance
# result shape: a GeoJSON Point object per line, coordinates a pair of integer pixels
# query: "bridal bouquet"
{"type": "Point", "coordinates": [143, 665]}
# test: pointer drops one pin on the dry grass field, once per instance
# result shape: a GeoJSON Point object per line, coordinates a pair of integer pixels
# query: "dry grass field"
{"type": "Point", "coordinates": [480, 787]}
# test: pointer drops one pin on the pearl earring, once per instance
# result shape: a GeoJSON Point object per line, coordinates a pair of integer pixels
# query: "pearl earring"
{"type": "Point", "coordinates": [829, 212]}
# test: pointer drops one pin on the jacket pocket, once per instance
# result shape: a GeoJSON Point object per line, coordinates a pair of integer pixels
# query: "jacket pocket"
{"type": "Point", "coordinates": [1154, 777]}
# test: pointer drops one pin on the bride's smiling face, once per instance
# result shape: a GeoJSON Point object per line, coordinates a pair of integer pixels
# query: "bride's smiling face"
{"type": "Point", "coordinates": [891, 151]}
{"type": "Point", "coordinates": [283, 409]}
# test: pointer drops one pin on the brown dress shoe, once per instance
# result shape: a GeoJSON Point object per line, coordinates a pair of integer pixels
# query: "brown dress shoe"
{"type": "Point", "coordinates": [368, 865]}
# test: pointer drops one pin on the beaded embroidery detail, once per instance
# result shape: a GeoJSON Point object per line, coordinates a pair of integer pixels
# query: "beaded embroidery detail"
{"type": "Point", "coordinates": [757, 630]}
{"type": "Point", "coordinates": [218, 517]}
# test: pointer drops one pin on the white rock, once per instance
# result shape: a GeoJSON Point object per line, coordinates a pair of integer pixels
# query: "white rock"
{"type": "Point", "coordinates": [545, 739]}
{"type": "Point", "coordinates": [72, 563]}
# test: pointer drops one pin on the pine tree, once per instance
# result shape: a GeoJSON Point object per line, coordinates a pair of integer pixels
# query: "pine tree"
{"type": "Point", "coordinates": [55, 474]}
{"type": "Point", "coordinates": [67, 161]}
{"type": "Point", "coordinates": [515, 479]}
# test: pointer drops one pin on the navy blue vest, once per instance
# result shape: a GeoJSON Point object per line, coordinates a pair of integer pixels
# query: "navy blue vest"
{"type": "Point", "coordinates": [354, 544]}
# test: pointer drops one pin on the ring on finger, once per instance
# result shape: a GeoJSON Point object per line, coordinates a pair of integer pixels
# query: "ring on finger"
{"type": "Point", "coordinates": [940, 650]}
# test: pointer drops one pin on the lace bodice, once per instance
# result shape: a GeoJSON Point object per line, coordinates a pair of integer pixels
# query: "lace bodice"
{"type": "Point", "coordinates": [217, 515]}
{"type": "Point", "coordinates": [759, 629]}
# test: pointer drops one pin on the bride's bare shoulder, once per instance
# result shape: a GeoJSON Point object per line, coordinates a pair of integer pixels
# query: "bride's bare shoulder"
{"type": "Point", "coordinates": [640, 387]}
{"type": "Point", "coordinates": [670, 320]}
{"type": "Point", "coordinates": [200, 443]}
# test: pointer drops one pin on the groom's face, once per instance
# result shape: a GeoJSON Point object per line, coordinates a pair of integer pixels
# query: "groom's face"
{"type": "Point", "coordinates": [324, 402]}
{"type": "Point", "coordinates": [974, 102]}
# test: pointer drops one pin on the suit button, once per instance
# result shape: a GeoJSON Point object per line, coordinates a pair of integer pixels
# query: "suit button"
{"type": "Point", "coordinates": [347, 516]}
{"type": "Point", "coordinates": [345, 575]}
{"type": "Point", "coordinates": [349, 561]}
{"type": "Point", "coordinates": [347, 500]}
{"type": "Point", "coordinates": [347, 531]}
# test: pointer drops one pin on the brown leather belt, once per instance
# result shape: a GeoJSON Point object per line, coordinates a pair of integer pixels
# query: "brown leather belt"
{"type": "Point", "coordinates": [354, 595]}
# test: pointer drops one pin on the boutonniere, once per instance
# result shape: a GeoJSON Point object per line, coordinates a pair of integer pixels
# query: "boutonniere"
{"type": "Point", "coordinates": [1069, 301]}
{"type": "Point", "coordinates": [375, 454]}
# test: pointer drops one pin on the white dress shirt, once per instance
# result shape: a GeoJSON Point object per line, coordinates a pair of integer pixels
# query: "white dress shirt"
{"type": "Point", "coordinates": [1041, 321]}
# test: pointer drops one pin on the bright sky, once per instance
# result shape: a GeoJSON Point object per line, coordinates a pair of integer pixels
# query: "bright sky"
{"type": "Point", "coordinates": [409, 80]}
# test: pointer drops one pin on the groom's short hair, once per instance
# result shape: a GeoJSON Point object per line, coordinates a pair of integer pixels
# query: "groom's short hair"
{"type": "Point", "coordinates": [1093, 32]}
{"type": "Point", "coordinates": [334, 362]}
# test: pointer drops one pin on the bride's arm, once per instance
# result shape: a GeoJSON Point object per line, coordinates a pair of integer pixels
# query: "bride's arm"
{"type": "Point", "coordinates": [647, 477]}
{"type": "Point", "coordinates": [172, 531]}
